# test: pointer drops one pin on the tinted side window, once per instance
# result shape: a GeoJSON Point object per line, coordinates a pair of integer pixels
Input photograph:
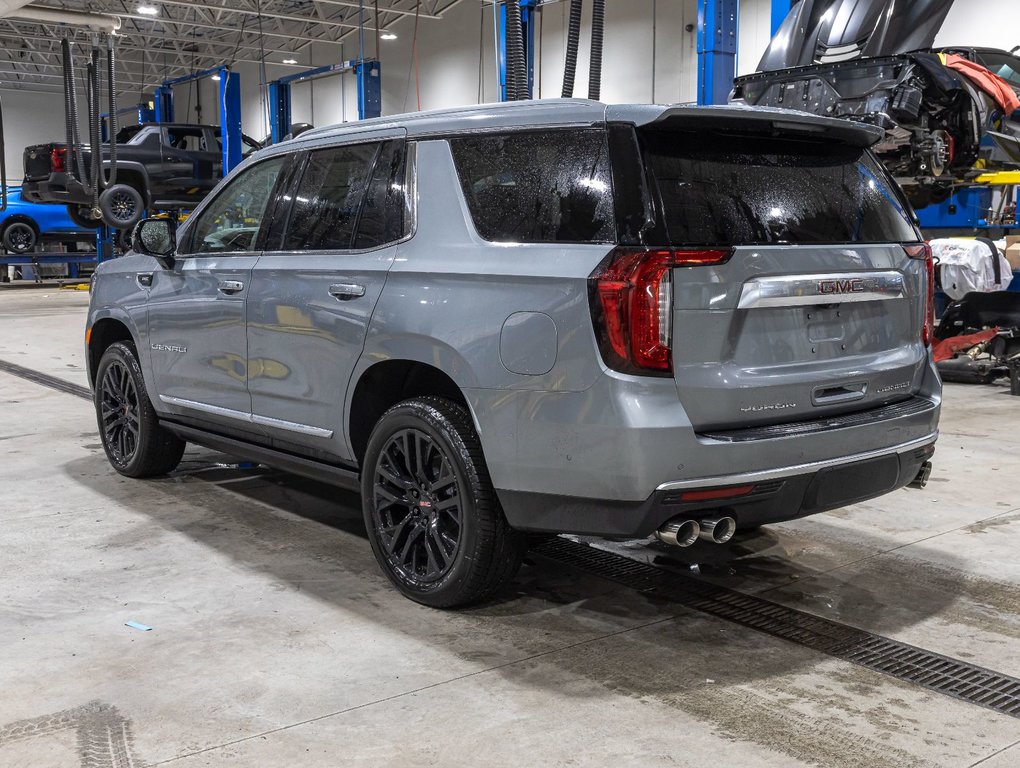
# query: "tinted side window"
{"type": "Point", "coordinates": [382, 216]}
{"type": "Point", "coordinates": [231, 221]}
{"type": "Point", "coordinates": [743, 190]}
{"type": "Point", "coordinates": [538, 186]}
{"type": "Point", "coordinates": [329, 197]}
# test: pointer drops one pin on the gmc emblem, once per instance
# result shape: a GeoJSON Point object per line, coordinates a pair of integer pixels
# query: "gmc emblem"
{"type": "Point", "coordinates": [855, 285]}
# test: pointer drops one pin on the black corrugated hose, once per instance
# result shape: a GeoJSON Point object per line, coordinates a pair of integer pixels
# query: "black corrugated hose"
{"type": "Point", "coordinates": [516, 79]}
{"type": "Point", "coordinates": [598, 20]}
{"type": "Point", "coordinates": [96, 178]}
{"type": "Point", "coordinates": [71, 111]}
{"type": "Point", "coordinates": [111, 79]}
{"type": "Point", "coordinates": [573, 37]}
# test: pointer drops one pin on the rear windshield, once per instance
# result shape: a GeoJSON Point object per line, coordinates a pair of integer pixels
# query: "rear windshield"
{"type": "Point", "coordinates": [748, 190]}
{"type": "Point", "coordinates": [550, 186]}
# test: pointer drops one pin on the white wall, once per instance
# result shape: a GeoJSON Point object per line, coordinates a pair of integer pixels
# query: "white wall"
{"type": "Point", "coordinates": [986, 23]}
{"type": "Point", "coordinates": [29, 118]}
{"type": "Point", "coordinates": [448, 62]}
{"type": "Point", "coordinates": [754, 30]}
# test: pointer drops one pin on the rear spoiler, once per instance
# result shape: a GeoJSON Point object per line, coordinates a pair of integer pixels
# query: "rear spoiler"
{"type": "Point", "coordinates": [766, 121]}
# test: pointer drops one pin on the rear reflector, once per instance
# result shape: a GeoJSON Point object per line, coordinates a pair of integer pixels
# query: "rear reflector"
{"type": "Point", "coordinates": [712, 494]}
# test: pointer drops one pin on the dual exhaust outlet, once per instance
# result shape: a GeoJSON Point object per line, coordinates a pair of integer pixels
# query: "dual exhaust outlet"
{"type": "Point", "coordinates": [683, 533]}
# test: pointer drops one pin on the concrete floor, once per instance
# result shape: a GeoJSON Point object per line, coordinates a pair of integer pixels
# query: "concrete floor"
{"type": "Point", "coordinates": [276, 641]}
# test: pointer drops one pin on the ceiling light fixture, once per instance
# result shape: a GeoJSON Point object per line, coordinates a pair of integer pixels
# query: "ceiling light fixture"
{"type": "Point", "coordinates": [148, 10]}
{"type": "Point", "coordinates": [290, 61]}
{"type": "Point", "coordinates": [215, 77]}
{"type": "Point", "coordinates": [388, 36]}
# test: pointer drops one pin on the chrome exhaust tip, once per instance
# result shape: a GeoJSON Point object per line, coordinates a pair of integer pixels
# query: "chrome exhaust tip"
{"type": "Point", "coordinates": [679, 533]}
{"type": "Point", "coordinates": [718, 530]}
{"type": "Point", "coordinates": [921, 479]}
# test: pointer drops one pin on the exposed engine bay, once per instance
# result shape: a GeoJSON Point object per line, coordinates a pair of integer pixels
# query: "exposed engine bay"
{"type": "Point", "coordinates": [948, 115]}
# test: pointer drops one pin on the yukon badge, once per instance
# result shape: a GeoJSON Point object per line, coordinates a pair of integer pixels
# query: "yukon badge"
{"type": "Point", "coordinates": [767, 407]}
{"type": "Point", "coordinates": [169, 348]}
{"type": "Point", "coordinates": [854, 285]}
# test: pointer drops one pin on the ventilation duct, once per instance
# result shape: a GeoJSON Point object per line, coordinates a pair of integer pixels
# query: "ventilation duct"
{"type": "Point", "coordinates": [15, 9]}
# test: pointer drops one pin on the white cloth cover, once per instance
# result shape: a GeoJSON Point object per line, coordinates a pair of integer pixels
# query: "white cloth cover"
{"type": "Point", "coordinates": [966, 265]}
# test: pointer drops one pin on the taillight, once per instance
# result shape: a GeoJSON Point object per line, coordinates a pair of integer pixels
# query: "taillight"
{"type": "Point", "coordinates": [632, 305]}
{"type": "Point", "coordinates": [923, 251]}
{"type": "Point", "coordinates": [57, 157]}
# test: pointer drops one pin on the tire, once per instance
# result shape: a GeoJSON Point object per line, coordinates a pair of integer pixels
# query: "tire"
{"type": "Point", "coordinates": [440, 537]}
{"type": "Point", "coordinates": [20, 235]}
{"type": "Point", "coordinates": [122, 206]}
{"type": "Point", "coordinates": [79, 215]}
{"type": "Point", "coordinates": [135, 443]}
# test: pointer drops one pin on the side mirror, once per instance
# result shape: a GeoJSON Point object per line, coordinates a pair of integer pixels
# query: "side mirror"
{"type": "Point", "coordinates": [156, 238]}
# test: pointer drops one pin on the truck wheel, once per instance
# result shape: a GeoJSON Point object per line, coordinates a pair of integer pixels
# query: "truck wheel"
{"type": "Point", "coordinates": [80, 216]}
{"type": "Point", "coordinates": [135, 443]}
{"type": "Point", "coordinates": [20, 235]}
{"type": "Point", "coordinates": [433, 519]}
{"type": "Point", "coordinates": [122, 206]}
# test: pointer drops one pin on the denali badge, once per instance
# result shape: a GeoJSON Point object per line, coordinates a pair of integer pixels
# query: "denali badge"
{"type": "Point", "coordinates": [854, 285]}
{"type": "Point", "coordinates": [169, 348]}
{"type": "Point", "coordinates": [893, 387]}
{"type": "Point", "coordinates": [768, 407]}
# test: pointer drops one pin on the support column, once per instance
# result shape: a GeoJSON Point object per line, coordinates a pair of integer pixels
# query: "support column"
{"type": "Point", "coordinates": [780, 10]}
{"type": "Point", "coordinates": [717, 50]}
{"type": "Point", "coordinates": [369, 78]}
{"type": "Point", "coordinates": [230, 118]}
{"type": "Point", "coordinates": [529, 12]}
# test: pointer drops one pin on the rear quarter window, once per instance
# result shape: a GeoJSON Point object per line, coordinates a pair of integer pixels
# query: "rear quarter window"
{"type": "Point", "coordinates": [538, 186]}
{"type": "Point", "coordinates": [744, 190]}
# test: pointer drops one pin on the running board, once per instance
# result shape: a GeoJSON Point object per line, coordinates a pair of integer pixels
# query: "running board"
{"type": "Point", "coordinates": [299, 465]}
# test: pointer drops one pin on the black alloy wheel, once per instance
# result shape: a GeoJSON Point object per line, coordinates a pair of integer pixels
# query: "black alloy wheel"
{"type": "Point", "coordinates": [118, 413]}
{"type": "Point", "coordinates": [19, 237]}
{"type": "Point", "coordinates": [417, 507]}
{"type": "Point", "coordinates": [123, 206]}
{"type": "Point", "coordinates": [432, 516]}
{"type": "Point", "coordinates": [136, 444]}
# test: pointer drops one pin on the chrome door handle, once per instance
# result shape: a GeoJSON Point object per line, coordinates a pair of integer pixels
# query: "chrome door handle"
{"type": "Point", "coordinates": [345, 291]}
{"type": "Point", "coordinates": [230, 286]}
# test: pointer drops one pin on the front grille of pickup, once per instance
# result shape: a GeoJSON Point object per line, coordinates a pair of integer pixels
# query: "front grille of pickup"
{"type": "Point", "coordinates": [824, 424]}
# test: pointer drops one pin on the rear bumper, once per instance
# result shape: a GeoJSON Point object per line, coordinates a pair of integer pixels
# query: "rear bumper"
{"type": "Point", "coordinates": [611, 460]}
{"type": "Point", "coordinates": [56, 188]}
{"type": "Point", "coordinates": [779, 494]}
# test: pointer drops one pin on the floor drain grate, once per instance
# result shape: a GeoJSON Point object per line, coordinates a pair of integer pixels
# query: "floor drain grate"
{"type": "Point", "coordinates": [941, 674]}
{"type": "Point", "coordinates": [46, 380]}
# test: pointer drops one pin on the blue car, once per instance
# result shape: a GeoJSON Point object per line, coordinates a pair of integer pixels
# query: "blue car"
{"type": "Point", "coordinates": [23, 225]}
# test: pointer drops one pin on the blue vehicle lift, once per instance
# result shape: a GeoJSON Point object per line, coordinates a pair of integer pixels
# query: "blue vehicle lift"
{"type": "Point", "coordinates": [366, 71]}
{"type": "Point", "coordinates": [528, 16]}
{"type": "Point", "coordinates": [230, 109]}
{"type": "Point", "coordinates": [143, 113]}
{"type": "Point", "coordinates": [717, 50]}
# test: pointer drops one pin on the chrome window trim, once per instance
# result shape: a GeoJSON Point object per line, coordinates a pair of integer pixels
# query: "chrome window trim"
{"type": "Point", "coordinates": [251, 418]}
{"type": "Point", "coordinates": [804, 290]}
{"type": "Point", "coordinates": [797, 469]}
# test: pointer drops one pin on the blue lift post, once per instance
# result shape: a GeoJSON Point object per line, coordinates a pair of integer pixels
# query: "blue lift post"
{"type": "Point", "coordinates": [144, 113]}
{"type": "Point", "coordinates": [780, 10]}
{"type": "Point", "coordinates": [528, 13]}
{"type": "Point", "coordinates": [717, 50]}
{"type": "Point", "coordinates": [230, 109]}
{"type": "Point", "coordinates": [367, 72]}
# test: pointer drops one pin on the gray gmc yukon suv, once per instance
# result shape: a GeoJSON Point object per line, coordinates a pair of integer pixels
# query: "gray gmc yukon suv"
{"type": "Point", "coordinates": [548, 316]}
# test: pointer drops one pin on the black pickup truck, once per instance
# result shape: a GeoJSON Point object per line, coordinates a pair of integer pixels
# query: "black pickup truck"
{"type": "Point", "coordinates": [159, 165]}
